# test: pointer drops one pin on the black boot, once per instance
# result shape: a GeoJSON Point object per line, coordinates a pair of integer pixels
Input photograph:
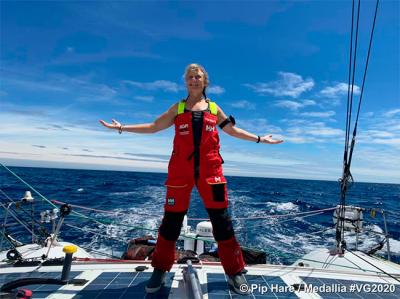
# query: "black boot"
{"type": "Point", "coordinates": [239, 284]}
{"type": "Point", "coordinates": [156, 281]}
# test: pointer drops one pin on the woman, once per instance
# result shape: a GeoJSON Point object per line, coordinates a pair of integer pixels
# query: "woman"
{"type": "Point", "coordinates": [195, 161]}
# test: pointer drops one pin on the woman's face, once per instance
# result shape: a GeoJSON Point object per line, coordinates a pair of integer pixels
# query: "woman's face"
{"type": "Point", "coordinates": [195, 81]}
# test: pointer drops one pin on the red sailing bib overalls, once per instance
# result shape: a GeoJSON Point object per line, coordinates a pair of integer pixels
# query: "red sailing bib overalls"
{"type": "Point", "coordinates": [196, 162]}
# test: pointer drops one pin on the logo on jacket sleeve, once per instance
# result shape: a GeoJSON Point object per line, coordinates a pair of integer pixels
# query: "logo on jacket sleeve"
{"type": "Point", "coordinates": [170, 201]}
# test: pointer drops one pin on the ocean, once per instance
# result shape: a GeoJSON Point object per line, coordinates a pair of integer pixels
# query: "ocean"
{"type": "Point", "coordinates": [130, 205]}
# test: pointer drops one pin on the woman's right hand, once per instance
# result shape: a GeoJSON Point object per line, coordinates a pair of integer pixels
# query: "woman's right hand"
{"type": "Point", "coordinates": [114, 125]}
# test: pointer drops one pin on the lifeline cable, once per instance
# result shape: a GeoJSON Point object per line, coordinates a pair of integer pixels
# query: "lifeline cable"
{"type": "Point", "coordinates": [383, 271]}
{"type": "Point", "coordinates": [42, 229]}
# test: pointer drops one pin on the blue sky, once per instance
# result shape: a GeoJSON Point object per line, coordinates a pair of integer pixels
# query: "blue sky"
{"type": "Point", "coordinates": [279, 67]}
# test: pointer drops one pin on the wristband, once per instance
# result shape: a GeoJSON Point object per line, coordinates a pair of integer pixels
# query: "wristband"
{"type": "Point", "coordinates": [259, 139]}
{"type": "Point", "coordinates": [120, 129]}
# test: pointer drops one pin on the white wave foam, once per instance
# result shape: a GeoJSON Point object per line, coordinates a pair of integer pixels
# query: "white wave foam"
{"type": "Point", "coordinates": [156, 193]}
{"type": "Point", "coordinates": [80, 190]}
{"type": "Point", "coordinates": [126, 193]}
{"type": "Point", "coordinates": [282, 206]}
{"type": "Point", "coordinates": [394, 246]}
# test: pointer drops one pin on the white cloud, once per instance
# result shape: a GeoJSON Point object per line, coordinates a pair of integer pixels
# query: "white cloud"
{"type": "Point", "coordinates": [319, 114]}
{"type": "Point", "coordinates": [379, 134]}
{"type": "Point", "coordinates": [382, 128]}
{"type": "Point", "coordinates": [144, 98]}
{"type": "Point", "coordinates": [243, 104]}
{"type": "Point", "coordinates": [259, 125]}
{"type": "Point", "coordinates": [392, 112]}
{"type": "Point", "coordinates": [293, 105]}
{"type": "Point", "coordinates": [66, 87]}
{"type": "Point", "coordinates": [163, 85]}
{"type": "Point", "coordinates": [36, 85]}
{"type": "Point", "coordinates": [289, 84]}
{"type": "Point", "coordinates": [337, 90]}
{"type": "Point", "coordinates": [368, 114]}
{"type": "Point", "coordinates": [306, 131]}
{"type": "Point", "coordinates": [215, 90]}
{"type": "Point", "coordinates": [309, 102]}
{"type": "Point", "coordinates": [325, 132]}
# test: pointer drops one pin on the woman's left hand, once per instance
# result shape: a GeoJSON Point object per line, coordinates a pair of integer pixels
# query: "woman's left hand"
{"type": "Point", "coordinates": [268, 139]}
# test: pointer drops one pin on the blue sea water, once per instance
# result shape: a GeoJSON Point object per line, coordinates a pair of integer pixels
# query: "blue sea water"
{"type": "Point", "coordinates": [132, 206]}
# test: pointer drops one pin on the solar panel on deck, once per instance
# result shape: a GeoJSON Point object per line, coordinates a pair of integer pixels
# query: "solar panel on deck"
{"type": "Point", "coordinates": [346, 288]}
{"type": "Point", "coordinates": [123, 285]}
{"type": "Point", "coordinates": [39, 290]}
{"type": "Point", "coordinates": [264, 287]}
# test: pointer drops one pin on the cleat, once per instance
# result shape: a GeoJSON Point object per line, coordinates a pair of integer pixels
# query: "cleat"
{"type": "Point", "coordinates": [156, 281]}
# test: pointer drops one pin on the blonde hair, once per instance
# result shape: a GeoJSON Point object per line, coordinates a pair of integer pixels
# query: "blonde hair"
{"type": "Point", "coordinates": [194, 67]}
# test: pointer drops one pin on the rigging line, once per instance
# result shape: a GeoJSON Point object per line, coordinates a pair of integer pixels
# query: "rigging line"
{"type": "Point", "coordinates": [95, 233]}
{"type": "Point", "coordinates": [354, 65]}
{"type": "Point", "coordinates": [346, 167]}
{"type": "Point", "coordinates": [363, 82]}
{"type": "Point", "coordinates": [17, 219]}
{"type": "Point", "coordinates": [384, 272]}
{"type": "Point", "coordinates": [348, 86]}
{"type": "Point", "coordinates": [109, 222]}
{"type": "Point", "coordinates": [9, 241]}
{"type": "Point", "coordinates": [33, 189]}
{"type": "Point", "coordinates": [197, 219]}
{"type": "Point", "coordinates": [41, 226]}
{"type": "Point", "coordinates": [99, 210]}
{"type": "Point", "coordinates": [273, 216]}
{"type": "Point", "coordinates": [338, 265]}
{"type": "Point", "coordinates": [10, 209]}
{"type": "Point", "coordinates": [278, 222]}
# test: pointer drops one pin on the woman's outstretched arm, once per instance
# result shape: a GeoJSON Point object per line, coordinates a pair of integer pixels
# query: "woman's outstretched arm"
{"type": "Point", "coordinates": [164, 121]}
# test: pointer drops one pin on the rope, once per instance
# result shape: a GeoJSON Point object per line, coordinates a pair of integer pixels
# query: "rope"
{"type": "Point", "coordinates": [94, 232]}
{"type": "Point", "coordinates": [283, 221]}
{"type": "Point", "coordinates": [93, 209]}
{"type": "Point", "coordinates": [275, 216]}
